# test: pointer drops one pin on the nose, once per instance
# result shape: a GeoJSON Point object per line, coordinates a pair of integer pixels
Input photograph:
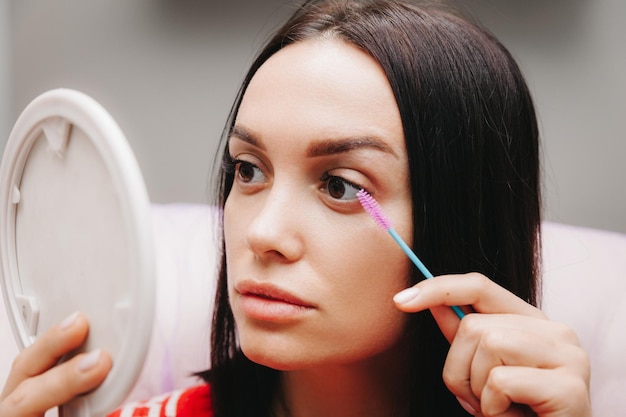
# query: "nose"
{"type": "Point", "coordinates": [275, 231]}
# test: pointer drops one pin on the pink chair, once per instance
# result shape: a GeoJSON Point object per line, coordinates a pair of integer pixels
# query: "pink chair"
{"type": "Point", "coordinates": [584, 279]}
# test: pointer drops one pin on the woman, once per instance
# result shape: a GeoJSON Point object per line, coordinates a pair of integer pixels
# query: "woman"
{"type": "Point", "coordinates": [431, 115]}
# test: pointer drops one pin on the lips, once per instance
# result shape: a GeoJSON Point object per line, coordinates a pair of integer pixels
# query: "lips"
{"type": "Point", "coordinates": [269, 292]}
{"type": "Point", "coordinates": [267, 302]}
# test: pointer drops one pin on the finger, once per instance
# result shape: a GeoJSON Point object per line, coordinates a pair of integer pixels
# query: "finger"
{"type": "Point", "coordinates": [514, 347]}
{"type": "Point", "coordinates": [473, 289]}
{"type": "Point", "coordinates": [47, 350]}
{"type": "Point", "coordinates": [486, 341]}
{"type": "Point", "coordinates": [33, 396]}
{"type": "Point", "coordinates": [447, 320]}
{"type": "Point", "coordinates": [549, 393]}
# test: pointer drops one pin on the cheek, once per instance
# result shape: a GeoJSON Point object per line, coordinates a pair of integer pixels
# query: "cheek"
{"type": "Point", "coordinates": [366, 273]}
{"type": "Point", "coordinates": [235, 222]}
{"type": "Point", "coordinates": [365, 260]}
{"type": "Point", "coordinates": [234, 226]}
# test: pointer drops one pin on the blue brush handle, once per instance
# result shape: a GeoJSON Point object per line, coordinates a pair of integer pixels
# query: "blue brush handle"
{"type": "Point", "coordinates": [413, 257]}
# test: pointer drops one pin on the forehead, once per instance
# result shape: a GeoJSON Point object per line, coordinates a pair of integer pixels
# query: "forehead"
{"type": "Point", "coordinates": [318, 89]}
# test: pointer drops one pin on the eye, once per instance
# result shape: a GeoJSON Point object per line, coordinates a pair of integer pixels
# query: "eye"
{"type": "Point", "coordinates": [247, 172]}
{"type": "Point", "coordinates": [244, 171]}
{"type": "Point", "coordinates": [340, 188]}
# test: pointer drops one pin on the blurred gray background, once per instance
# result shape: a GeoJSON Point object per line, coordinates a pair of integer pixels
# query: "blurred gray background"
{"type": "Point", "coordinates": [168, 70]}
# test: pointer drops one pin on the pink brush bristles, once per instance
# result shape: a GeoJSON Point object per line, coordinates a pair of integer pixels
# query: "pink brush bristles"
{"type": "Point", "coordinates": [373, 208]}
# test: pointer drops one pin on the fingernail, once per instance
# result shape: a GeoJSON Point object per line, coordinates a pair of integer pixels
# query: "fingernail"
{"type": "Point", "coordinates": [466, 406]}
{"type": "Point", "coordinates": [89, 360]}
{"type": "Point", "coordinates": [69, 320]}
{"type": "Point", "coordinates": [407, 295]}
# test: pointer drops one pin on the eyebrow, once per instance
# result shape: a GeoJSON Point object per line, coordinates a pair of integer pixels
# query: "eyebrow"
{"type": "Point", "coordinates": [335, 146]}
{"type": "Point", "coordinates": [323, 147]}
{"type": "Point", "coordinates": [243, 134]}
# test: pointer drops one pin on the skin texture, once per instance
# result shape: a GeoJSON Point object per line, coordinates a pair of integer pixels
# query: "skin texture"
{"type": "Point", "coordinates": [312, 279]}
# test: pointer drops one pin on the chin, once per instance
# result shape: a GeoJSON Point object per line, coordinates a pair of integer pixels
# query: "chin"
{"type": "Point", "coordinates": [282, 351]}
{"type": "Point", "coordinates": [276, 359]}
{"type": "Point", "coordinates": [285, 356]}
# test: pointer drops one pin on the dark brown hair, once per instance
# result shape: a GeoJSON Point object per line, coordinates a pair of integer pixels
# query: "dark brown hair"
{"type": "Point", "coordinates": [472, 142]}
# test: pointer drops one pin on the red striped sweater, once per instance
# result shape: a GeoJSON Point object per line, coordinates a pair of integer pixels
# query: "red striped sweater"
{"type": "Point", "coordinates": [190, 402]}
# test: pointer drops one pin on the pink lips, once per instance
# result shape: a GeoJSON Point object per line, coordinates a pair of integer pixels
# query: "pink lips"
{"type": "Point", "coordinates": [266, 302]}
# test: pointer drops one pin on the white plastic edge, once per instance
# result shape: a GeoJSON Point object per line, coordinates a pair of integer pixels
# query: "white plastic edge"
{"type": "Point", "coordinates": [84, 112]}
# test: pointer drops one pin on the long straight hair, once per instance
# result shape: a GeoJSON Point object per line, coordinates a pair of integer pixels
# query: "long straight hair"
{"type": "Point", "coordinates": [472, 143]}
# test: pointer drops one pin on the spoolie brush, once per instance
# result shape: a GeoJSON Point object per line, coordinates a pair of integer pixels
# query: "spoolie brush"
{"type": "Point", "coordinates": [376, 212]}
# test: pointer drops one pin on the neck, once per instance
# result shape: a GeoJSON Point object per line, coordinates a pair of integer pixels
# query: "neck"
{"type": "Point", "coordinates": [376, 387]}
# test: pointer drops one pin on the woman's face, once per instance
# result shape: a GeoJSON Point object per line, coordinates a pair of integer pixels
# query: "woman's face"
{"type": "Point", "coordinates": [310, 275]}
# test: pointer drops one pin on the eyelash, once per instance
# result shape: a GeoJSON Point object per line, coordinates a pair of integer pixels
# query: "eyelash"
{"type": "Point", "coordinates": [326, 178]}
{"type": "Point", "coordinates": [230, 164]}
{"type": "Point", "coordinates": [234, 167]}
